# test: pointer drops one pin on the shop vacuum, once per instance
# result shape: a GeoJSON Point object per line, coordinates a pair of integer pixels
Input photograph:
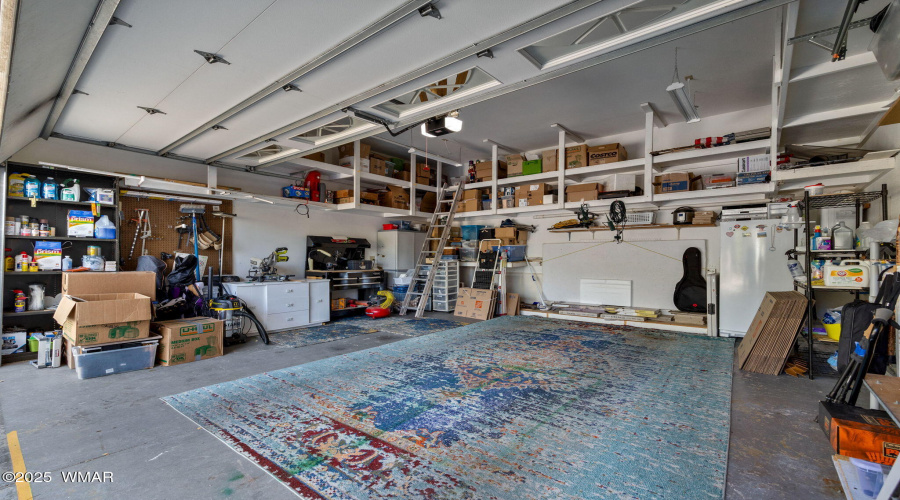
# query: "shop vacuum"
{"type": "Point", "coordinates": [232, 311]}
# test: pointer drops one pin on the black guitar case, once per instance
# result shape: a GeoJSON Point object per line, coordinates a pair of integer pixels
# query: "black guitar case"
{"type": "Point", "coordinates": [690, 292]}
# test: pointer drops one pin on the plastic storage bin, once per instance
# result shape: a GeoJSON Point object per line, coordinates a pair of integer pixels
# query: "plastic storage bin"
{"type": "Point", "coordinates": [470, 232]}
{"type": "Point", "coordinates": [514, 253]}
{"type": "Point", "coordinates": [99, 360]}
{"type": "Point", "coordinates": [871, 475]}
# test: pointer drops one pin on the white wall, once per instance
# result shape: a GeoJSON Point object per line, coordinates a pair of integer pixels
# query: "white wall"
{"type": "Point", "coordinates": [259, 227]}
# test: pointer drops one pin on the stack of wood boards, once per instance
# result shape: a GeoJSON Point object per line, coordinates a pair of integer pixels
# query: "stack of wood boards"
{"type": "Point", "coordinates": [772, 333]}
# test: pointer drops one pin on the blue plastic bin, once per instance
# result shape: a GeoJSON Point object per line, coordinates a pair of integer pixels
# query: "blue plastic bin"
{"type": "Point", "coordinates": [470, 232]}
{"type": "Point", "coordinates": [515, 253]}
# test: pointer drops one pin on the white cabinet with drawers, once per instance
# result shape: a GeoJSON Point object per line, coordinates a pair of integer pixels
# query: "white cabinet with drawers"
{"type": "Point", "coordinates": [280, 305]}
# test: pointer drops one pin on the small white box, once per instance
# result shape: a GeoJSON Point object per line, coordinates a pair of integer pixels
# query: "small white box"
{"type": "Point", "coordinates": [621, 182]}
{"type": "Point", "coordinates": [549, 199]}
{"type": "Point", "coordinates": [110, 266]}
{"type": "Point", "coordinates": [13, 340]}
{"type": "Point", "coordinates": [347, 162]}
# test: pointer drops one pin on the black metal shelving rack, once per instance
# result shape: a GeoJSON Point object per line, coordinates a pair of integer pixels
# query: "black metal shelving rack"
{"type": "Point", "coordinates": [55, 212]}
{"type": "Point", "coordinates": [856, 200]}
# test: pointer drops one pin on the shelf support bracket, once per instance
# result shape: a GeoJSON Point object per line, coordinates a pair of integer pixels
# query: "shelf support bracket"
{"type": "Point", "coordinates": [572, 135]}
{"type": "Point", "coordinates": [508, 149]}
{"type": "Point", "coordinates": [660, 122]}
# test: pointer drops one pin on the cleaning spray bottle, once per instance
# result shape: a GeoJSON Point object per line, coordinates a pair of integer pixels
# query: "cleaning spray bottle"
{"type": "Point", "coordinates": [71, 190]}
{"type": "Point", "coordinates": [9, 263]}
{"type": "Point", "coordinates": [20, 300]}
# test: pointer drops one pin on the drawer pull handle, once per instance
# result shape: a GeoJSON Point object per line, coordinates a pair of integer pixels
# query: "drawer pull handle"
{"type": "Point", "coordinates": [290, 319]}
{"type": "Point", "coordinates": [290, 290]}
{"type": "Point", "coordinates": [290, 305]}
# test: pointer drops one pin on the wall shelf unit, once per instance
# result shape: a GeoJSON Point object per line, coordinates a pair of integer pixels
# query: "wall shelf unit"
{"type": "Point", "coordinates": [684, 158]}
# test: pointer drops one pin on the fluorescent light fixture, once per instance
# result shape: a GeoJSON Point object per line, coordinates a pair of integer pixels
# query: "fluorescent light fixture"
{"type": "Point", "coordinates": [683, 102]}
{"type": "Point", "coordinates": [441, 126]}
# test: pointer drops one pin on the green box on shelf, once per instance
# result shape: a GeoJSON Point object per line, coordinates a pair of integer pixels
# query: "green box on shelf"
{"type": "Point", "coordinates": [398, 163]}
{"type": "Point", "coordinates": [531, 167]}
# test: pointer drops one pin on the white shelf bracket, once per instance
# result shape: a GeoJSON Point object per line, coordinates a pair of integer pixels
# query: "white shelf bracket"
{"type": "Point", "coordinates": [572, 135]}
{"type": "Point", "coordinates": [494, 198]}
{"type": "Point", "coordinates": [357, 173]}
{"type": "Point", "coordinates": [212, 178]}
{"type": "Point", "coordinates": [660, 122]}
{"type": "Point", "coordinates": [508, 149]}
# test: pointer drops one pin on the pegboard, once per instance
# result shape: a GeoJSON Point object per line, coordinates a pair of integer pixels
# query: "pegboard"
{"type": "Point", "coordinates": [164, 217]}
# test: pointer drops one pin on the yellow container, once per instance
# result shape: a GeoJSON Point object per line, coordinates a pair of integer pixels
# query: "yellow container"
{"type": "Point", "coordinates": [833, 330]}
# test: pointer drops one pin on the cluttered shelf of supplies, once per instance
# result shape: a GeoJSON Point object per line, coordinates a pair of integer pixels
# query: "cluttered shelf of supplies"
{"type": "Point", "coordinates": [56, 219]}
{"type": "Point", "coordinates": [824, 269]}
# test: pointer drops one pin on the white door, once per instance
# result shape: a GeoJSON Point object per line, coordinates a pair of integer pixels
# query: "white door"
{"type": "Point", "coordinates": [319, 304]}
{"type": "Point", "coordinates": [748, 269]}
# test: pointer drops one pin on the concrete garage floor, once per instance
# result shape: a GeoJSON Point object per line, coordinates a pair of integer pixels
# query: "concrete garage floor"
{"type": "Point", "coordinates": [118, 424]}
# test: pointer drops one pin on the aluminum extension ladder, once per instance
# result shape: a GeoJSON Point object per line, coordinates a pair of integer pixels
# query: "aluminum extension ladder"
{"type": "Point", "coordinates": [421, 287]}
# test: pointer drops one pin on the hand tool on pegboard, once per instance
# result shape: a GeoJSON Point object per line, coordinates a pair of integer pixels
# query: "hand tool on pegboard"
{"type": "Point", "coordinates": [143, 213]}
{"type": "Point", "coordinates": [194, 210]}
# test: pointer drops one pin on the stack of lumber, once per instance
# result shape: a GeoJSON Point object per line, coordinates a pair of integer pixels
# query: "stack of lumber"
{"type": "Point", "coordinates": [772, 333]}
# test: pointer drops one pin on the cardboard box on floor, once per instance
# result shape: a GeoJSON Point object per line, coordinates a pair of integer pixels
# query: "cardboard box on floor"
{"type": "Point", "coordinates": [141, 282]}
{"type": "Point", "coordinates": [101, 318]}
{"type": "Point", "coordinates": [770, 338]}
{"type": "Point", "coordinates": [189, 339]}
{"type": "Point", "coordinates": [475, 303]}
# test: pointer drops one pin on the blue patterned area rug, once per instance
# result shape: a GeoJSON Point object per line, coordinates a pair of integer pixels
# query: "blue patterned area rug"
{"type": "Point", "coordinates": [351, 327]}
{"type": "Point", "coordinates": [512, 408]}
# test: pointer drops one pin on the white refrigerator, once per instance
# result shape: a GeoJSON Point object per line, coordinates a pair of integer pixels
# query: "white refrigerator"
{"type": "Point", "coordinates": [752, 262]}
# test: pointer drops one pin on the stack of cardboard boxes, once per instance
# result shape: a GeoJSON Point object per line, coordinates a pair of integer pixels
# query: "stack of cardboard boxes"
{"type": "Point", "coordinates": [425, 174]}
{"type": "Point", "coordinates": [394, 197]}
{"type": "Point", "coordinates": [472, 200]}
{"type": "Point", "coordinates": [484, 171]}
{"type": "Point", "coordinates": [583, 192]}
{"type": "Point", "coordinates": [106, 324]}
{"type": "Point", "coordinates": [531, 195]}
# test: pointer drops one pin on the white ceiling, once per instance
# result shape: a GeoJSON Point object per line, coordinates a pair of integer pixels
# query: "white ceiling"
{"type": "Point", "coordinates": [153, 64]}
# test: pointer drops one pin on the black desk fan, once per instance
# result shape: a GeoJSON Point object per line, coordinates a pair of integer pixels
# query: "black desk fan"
{"type": "Point", "coordinates": [616, 219]}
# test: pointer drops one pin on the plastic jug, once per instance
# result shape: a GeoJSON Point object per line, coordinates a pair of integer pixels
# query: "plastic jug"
{"type": "Point", "coordinates": [67, 263]}
{"type": "Point", "coordinates": [48, 191]}
{"type": "Point", "coordinates": [70, 192]}
{"type": "Point", "coordinates": [17, 185]}
{"type": "Point", "coordinates": [32, 187]}
{"type": "Point", "coordinates": [105, 229]}
{"type": "Point", "coordinates": [20, 261]}
{"type": "Point", "coordinates": [841, 237]}
{"type": "Point", "coordinates": [9, 263]}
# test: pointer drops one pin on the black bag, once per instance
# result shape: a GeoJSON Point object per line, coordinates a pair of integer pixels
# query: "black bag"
{"type": "Point", "coordinates": [183, 272]}
{"type": "Point", "coordinates": [855, 319]}
{"type": "Point", "coordinates": [690, 292]}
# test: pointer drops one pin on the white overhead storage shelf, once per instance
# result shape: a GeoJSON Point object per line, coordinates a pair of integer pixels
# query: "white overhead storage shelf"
{"type": "Point", "coordinates": [635, 202]}
{"type": "Point", "coordinates": [527, 179]}
{"type": "Point", "coordinates": [859, 173]}
{"type": "Point", "coordinates": [628, 166]}
{"type": "Point", "coordinates": [682, 158]}
{"type": "Point", "coordinates": [720, 195]}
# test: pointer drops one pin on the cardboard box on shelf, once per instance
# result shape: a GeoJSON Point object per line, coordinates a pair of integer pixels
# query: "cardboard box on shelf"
{"type": "Point", "coordinates": [860, 433]}
{"type": "Point", "coordinates": [513, 165]}
{"type": "Point", "coordinates": [347, 150]}
{"type": "Point", "coordinates": [341, 201]}
{"type": "Point", "coordinates": [472, 194]}
{"type": "Point", "coordinates": [189, 339]}
{"type": "Point", "coordinates": [620, 182]}
{"type": "Point", "coordinates": [48, 255]}
{"type": "Point", "coordinates": [607, 153]}
{"type": "Point", "coordinates": [347, 162]}
{"type": "Point", "coordinates": [429, 202]}
{"type": "Point", "coordinates": [531, 167]}
{"type": "Point", "coordinates": [511, 236]}
{"type": "Point", "coordinates": [316, 157]}
{"type": "Point", "coordinates": [583, 192]}
{"type": "Point", "coordinates": [377, 166]}
{"type": "Point", "coordinates": [368, 196]}
{"type": "Point", "coordinates": [80, 223]}
{"type": "Point", "coordinates": [425, 181]}
{"type": "Point", "coordinates": [394, 197]}
{"type": "Point", "coordinates": [475, 303]}
{"type": "Point", "coordinates": [470, 205]}
{"type": "Point", "coordinates": [423, 170]}
{"type": "Point", "coordinates": [403, 175]}
{"type": "Point", "coordinates": [109, 317]}
{"type": "Point", "coordinates": [550, 160]}
{"type": "Point", "coordinates": [675, 182]}
{"type": "Point", "coordinates": [78, 284]}
{"type": "Point", "coordinates": [343, 193]}
{"type": "Point", "coordinates": [485, 169]}
{"type": "Point", "coordinates": [13, 340]}
{"type": "Point", "coordinates": [576, 156]}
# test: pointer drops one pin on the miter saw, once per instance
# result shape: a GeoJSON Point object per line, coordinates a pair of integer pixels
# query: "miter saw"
{"type": "Point", "coordinates": [263, 269]}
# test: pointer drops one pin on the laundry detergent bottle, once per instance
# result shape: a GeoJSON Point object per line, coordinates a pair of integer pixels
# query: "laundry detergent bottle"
{"type": "Point", "coordinates": [49, 190]}
{"type": "Point", "coordinates": [32, 187]}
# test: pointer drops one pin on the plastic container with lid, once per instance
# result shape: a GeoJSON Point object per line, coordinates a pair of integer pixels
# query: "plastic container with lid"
{"type": "Point", "coordinates": [871, 475]}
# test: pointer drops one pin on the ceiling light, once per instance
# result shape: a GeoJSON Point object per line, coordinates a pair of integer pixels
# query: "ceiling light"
{"type": "Point", "coordinates": [443, 125]}
{"type": "Point", "coordinates": [683, 102]}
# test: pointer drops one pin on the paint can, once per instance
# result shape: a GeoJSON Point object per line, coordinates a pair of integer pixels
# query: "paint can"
{"type": "Point", "coordinates": [93, 250]}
